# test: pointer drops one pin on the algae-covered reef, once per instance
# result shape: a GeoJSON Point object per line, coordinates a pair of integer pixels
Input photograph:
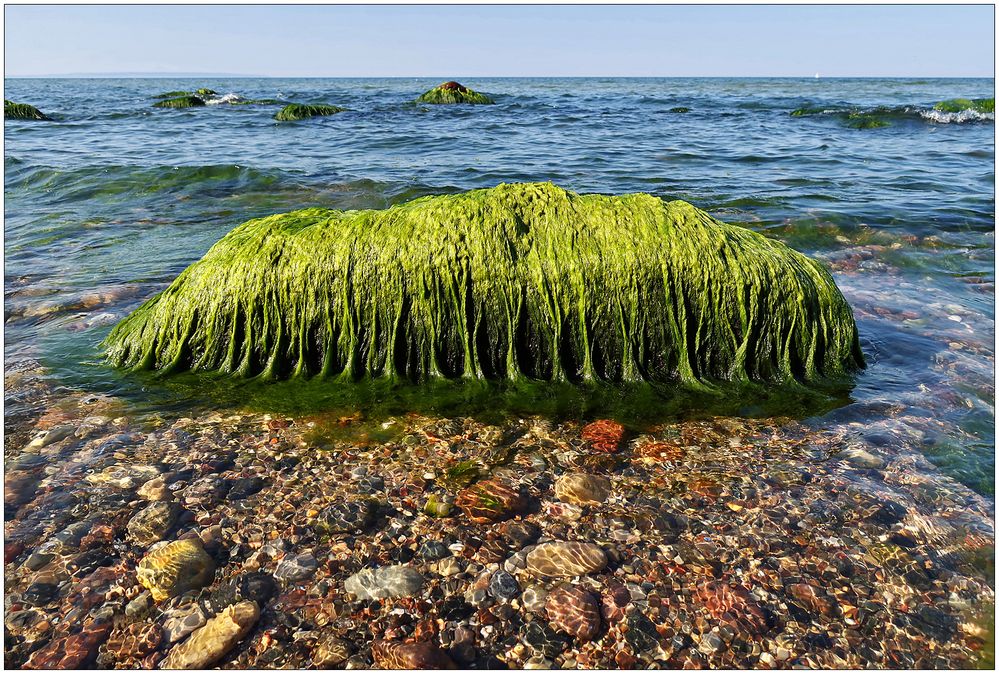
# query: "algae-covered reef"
{"type": "Point", "coordinates": [452, 93]}
{"type": "Point", "coordinates": [983, 105]}
{"type": "Point", "coordinates": [181, 102]}
{"type": "Point", "coordinates": [294, 112]}
{"type": "Point", "coordinates": [12, 110]}
{"type": "Point", "coordinates": [522, 280]}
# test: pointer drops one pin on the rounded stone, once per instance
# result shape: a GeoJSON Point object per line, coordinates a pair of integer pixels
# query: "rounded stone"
{"type": "Point", "coordinates": [152, 523]}
{"type": "Point", "coordinates": [575, 611]}
{"type": "Point", "coordinates": [385, 582]}
{"type": "Point", "coordinates": [582, 489]}
{"type": "Point", "coordinates": [175, 568]}
{"type": "Point", "coordinates": [503, 586]}
{"type": "Point", "coordinates": [558, 559]}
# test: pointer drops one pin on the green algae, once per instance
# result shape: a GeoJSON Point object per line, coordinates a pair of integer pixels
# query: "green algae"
{"type": "Point", "coordinates": [452, 93]}
{"type": "Point", "coordinates": [296, 111]}
{"type": "Point", "coordinates": [181, 102]}
{"type": "Point", "coordinates": [12, 110]}
{"type": "Point", "coordinates": [522, 281]}
{"type": "Point", "coordinates": [807, 112]}
{"type": "Point", "coordinates": [203, 92]}
{"type": "Point", "coordinates": [873, 119]}
{"type": "Point", "coordinates": [983, 105]}
{"type": "Point", "coordinates": [174, 94]}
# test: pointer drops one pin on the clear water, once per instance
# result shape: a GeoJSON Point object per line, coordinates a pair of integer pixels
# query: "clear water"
{"type": "Point", "coordinates": [116, 197]}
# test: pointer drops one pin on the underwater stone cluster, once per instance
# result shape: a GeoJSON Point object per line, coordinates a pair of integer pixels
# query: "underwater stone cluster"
{"type": "Point", "coordinates": [516, 281]}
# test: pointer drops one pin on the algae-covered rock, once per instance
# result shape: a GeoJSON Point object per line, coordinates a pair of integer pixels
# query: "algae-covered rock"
{"type": "Point", "coordinates": [517, 281]}
{"type": "Point", "coordinates": [181, 102]}
{"type": "Point", "coordinates": [175, 568]}
{"type": "Point", "coordinates": [12, 110]}
{"type": "Point", "coordinates": [679, 110]}
{"type": "Point", "coordinates": [294, 112]}
{"type": "Point", "coordinates": [205, 92]}
{"type": "Point", "coordinates": [451, 93]}
{"type": "Point", "coordinates": [983, 105]}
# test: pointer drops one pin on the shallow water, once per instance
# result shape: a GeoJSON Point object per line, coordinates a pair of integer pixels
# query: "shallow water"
{"type": "Point", "coordinates": [107, 204]}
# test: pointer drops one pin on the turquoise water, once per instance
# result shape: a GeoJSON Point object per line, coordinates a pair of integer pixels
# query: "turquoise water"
{"type": "Point", "coordinates": [105, 205]}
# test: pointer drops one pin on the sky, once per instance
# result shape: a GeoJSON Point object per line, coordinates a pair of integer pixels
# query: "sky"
{"type": "Point", "coordinates": [502, 41]}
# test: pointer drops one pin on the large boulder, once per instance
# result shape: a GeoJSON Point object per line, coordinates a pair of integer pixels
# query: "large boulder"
{"type": "Point", "coordinates": [294, 112]}
{"type": "Point", "coordinates": [516, 281]}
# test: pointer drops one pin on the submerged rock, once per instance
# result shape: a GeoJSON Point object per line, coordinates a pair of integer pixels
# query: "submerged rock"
{"type": "Point", "coordinates": [175, 568]}
{"type": "Point", "coordinates": [152, 523]}
{"type": "Point", "coordinates": [294, 112]}
{"type": "Point", "coordinates": [512, 238]}
{"type": "Point", "coordinates": [454, 93]}
{"type": "Point", "coordinates": [216, 638]}
{"type": "Point", "coordinates": [383, 583]}
{"type": "Point", "coordinates": [575, 611]}
{"type": "Point", "coordinates": [490, 501]}
{"type": "Point", "coordinates": [582, 489]}
{"type": "Point", "coordinates": [418, 655]}
{"type": "Point", "coordinates": [565, 559]}
{"type": "Point", "coordinates": [12, 110]}
{"type": "Point", "coordinates": [604, 435]}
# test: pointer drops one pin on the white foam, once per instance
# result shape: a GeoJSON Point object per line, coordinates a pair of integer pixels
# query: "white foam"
{"type": "Point", "coordinates": [941, 117]}
{"type": "Point", "coordinates": [227, 98]}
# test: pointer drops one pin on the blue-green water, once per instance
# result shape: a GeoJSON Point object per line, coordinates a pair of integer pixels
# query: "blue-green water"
{"type": "Point", "coordinates": [106, 204]}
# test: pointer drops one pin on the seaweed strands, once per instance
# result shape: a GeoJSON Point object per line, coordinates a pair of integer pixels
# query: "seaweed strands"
{"type": "Point", "coordinates": [12, 110]}
{"type": "Point", "coordinates": [513, 282]}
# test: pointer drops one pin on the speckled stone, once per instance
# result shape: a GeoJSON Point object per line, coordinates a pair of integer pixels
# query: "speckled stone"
{"type": "Point", "coordinates": [216, 638]}
{"type": "Point", "coordinates": [175, 568]}
{"type": "Point", "coordinates": [573, 610]}
{"type": "Point", "coordinates": [503, 586]}
{"type": "Point", "coordinates": [582, 489]}
{"type": "Point", "coordinates": [559, 559]}
{"type": "Point", "coordinates": [133, 642]}
{"type": "Point", "coordinates": [418, 655]}
{"type": "Point", "coordinates": [385, 582]}
{"type": "Point", "coordinates": [180, 622]}
{"type": "Point", "coordinates": [154, 490]}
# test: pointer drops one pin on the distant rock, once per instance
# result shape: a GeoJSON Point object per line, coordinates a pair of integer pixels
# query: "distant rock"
{"type": "Point", "coordinates": [451, 93]}
{"type": "Point", "coordinates": [13, 110]}
{"type": "Point", "coordinates": [294, 112]}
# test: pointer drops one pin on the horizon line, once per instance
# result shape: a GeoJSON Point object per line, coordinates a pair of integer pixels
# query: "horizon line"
{"type": "Point", "coordinates": [183, 75]}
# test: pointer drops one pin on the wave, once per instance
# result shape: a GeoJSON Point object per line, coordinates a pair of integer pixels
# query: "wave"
{"type": "Point", "coordinates": [882, 115]}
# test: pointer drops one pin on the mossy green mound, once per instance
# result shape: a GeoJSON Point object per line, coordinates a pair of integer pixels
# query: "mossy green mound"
{"type": "Point", "coordinates": [201, 93]}
{"type": "Point", "coordinates": [181, 102]}
{"type": "Point", "coordinates": [450, 93]}
{"type": "Point", "coordinates": [204, 92]}
{"type": "Point", "coordinates": [962, 104]}
{"type": "Point", "coordinates": [296, 111]}
{"type": "Point", "coordinates": [518, 281]}
{"type": "Point", "coordinates": [13, 110]}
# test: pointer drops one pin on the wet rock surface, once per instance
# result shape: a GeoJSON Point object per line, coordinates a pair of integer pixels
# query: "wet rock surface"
{"type": "Point", "coordinates": [304, 542]}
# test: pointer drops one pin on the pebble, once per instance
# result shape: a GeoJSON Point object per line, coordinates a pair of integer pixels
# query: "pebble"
{"type": "Point", "coordinates": [861, 458]}
{"type": "Point", "coordinates": [418, 655]}
{"type": "Point", "coordinates": [385, 582]}
{"type": "Point", "coordinates": [152, 523]}
{"type": "Point", "coordinates": [582, 489]}
{"type": "Point", "coordinates": [573, 610]}
{"type": "Point", "coordinates": [214, 639]}
{"type": "Point", "coordinates": [534, 598]}
{"type": "Point", "coordinates": [180, 622]}
{"type": "Point", "coordinates": [346, 517]}
{"type": "Point", "coordinates": [490, 501]}
{"type": "Point", "coordinates": [297, 568]}
{"type": "Point", "coordinates": [503, 586]}
{"type": "Point", "coordinates": [330, 651]}
{"type": "Point", "coordinates": [565, 559]}
{"type": "Point", "coordinates": [154, 490]}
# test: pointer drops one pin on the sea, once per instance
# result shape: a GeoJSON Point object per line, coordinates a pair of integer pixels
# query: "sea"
{"type": "Point", "coordinates": [108, 202]}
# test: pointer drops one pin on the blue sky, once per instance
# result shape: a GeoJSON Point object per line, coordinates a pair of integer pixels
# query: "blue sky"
{"type": "Point", "coordinates": [456, 41]}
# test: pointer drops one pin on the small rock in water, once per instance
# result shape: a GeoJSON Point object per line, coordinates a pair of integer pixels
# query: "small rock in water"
{"type": "Point", "coordinates": [180, 622]}
{"type": "Point", "coordinates": [582, 489]}
{"type": "Point", "coordinates": [534, 598]}
{"type": "Point", "coordinates": [216, 638]}
{"type": "Point", "coordinates": [861, 458]}
{"type": "Point", "coordinates": [123, 477]}
{"type": "Point", "coordinates": [437, 506]}
{"type": "Point", "coordinates": [152, 523]}
{"type": "Point", "coordinates": [155, 490]}
{"type": "Point", "coordinates": [433, 550]}
{"type": "Point", "coordinates": [503, 586]}
{"type": "Point", "coordinates": [175, 568]}
{"type": "Point", "coordinates": [206, 492]}
{"type": "Point", "coordinates": [573, 610]}
{"type": "Point", "coordinates": [72, 651]}
{"type": "Point", "coordinates": [565, 558]}
{"type": "Point", "coordinates": [889, 513]}
{"type": "Point", "coordinates": [330, 651]}
{"type": "Point", "coordinates": [383, 583]}
{"type": "Point", "coordinates": [419, 655]}
{"type": "Point", "coordinates": [490, 501]}
{"type": "Point", "coordinates": [138, 606]}
{"type": "Point", "coordinates": [347, 517]}
{"type": "Point", "coordinates": [245, 487]}
{"type": "Point", "coordinates": [614, 603]}
{"type": "Point", "coordinates": [294, 569]}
